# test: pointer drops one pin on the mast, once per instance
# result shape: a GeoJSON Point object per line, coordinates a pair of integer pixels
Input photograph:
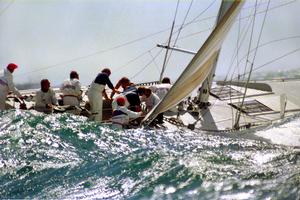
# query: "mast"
{"type": "Point", "coordinates": [206, 86]}
{"type": "Point", "coordinates": [169, 42]}
{"type": "Point", "coordinates": [166, 55]}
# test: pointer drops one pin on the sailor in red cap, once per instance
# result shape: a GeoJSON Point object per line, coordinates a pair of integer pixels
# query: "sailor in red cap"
{"type": "Point", "coordinates": [121, 114]}
{"type": "Point", "coordinates": [45, 98]}
{"type": "Point", "coordinates": [7, 84]}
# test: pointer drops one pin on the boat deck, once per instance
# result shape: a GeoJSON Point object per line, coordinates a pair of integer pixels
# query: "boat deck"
{"type": "Point", "coordinates": [260, 109]}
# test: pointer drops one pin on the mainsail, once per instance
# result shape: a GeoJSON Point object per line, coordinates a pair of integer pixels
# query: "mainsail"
{"type": "Point", "coordinates": [200, 66]}
{"type": "Point", "coordinates": [207, 83]}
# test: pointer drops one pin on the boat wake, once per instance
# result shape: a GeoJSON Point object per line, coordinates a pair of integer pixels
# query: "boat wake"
{"type": "Point", "coordinates": [67, 157]}
{"type": "Point", "coordinates": [286, 132]}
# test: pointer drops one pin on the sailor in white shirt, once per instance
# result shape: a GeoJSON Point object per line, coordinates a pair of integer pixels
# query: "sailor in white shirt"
{"type": "Point", "coordinates": [147, 96]}
{"type": "Point", "coordinates": [71, 90]}
{"type": "Point", "coordinates": [6, 84]}
{"type": "Point", "coordinates": [162, 89]}
{"type": "Point", "coordinates": [45, 98]}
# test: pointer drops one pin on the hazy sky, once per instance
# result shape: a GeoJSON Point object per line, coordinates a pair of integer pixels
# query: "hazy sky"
{"type": "Point", "coordinates": [49, 38]}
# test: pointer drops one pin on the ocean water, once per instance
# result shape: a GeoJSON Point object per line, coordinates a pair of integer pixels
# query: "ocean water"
{"type": "Point", "coordinates": [67, 157]}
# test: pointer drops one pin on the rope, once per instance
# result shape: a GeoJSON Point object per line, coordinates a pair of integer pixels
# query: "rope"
{"type": "Point", "coordinates": [132, 77]}
{"type": "Point", "coordinates": [253, 59]}
{"type": "Point", "coordinates": [8, 5]}
{"type": "Point", "coordinates": [134, 59]}
{"type": "Point", "coordinates": [135, 40]}
{"type": "Point", "coordinates": [194, 20]}
{"type": "Point", "coordinates": [244, 35]}
{"type": "Point", "coordinates": [178, 123]}
{"type": "Point", "coordinates": [267, 63]}
{"type": "Point", "coordinates": [178, 33]}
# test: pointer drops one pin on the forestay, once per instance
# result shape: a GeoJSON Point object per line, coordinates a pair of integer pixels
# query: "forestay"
{"type": "Point", "coordinates": [200, 66]}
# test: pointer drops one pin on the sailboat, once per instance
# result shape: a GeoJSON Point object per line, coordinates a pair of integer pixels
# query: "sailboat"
{"type": "Point", "coordinates": [227, 106]}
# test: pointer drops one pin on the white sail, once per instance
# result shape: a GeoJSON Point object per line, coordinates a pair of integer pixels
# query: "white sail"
{"type": "Point", "coordinates": [207, 84]}
{"type": "Point", "coordinates": [200, 66]}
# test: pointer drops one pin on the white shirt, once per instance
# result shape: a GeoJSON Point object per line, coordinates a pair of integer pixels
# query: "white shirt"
{"type": "Point", "coordinates": [161, 89]}
{"type": "Point", "coordinates": [150, 101]}
{"type": "Point", "coordinates": [44, 98]}
{"type": "Point", "coordinates": [123, 119]}
{"type": "Point", "coordinates": [6, 79]}
{"type": "Point", "coordinates": [71, 87]}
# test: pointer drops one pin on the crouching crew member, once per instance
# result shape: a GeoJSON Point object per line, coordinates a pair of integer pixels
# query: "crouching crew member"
{"type": "Point", "coordinates": [131, 94]}
{"type": "Point", "coordinates": [6, 84]}
{"type": "Point", "coordinates": [147, 96]}
{"type": "Point", "coordinates": [71, 90]}
{"type": "Point", "coordinates": [121, 116]}
{"type": "Point", "coordinates": [45, 98]}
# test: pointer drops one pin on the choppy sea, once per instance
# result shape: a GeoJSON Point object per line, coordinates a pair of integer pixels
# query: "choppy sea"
{"type": "Point", "coordinates": [61, 156]}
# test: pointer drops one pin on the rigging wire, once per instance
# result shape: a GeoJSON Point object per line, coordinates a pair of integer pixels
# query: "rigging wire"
{"type": "Point", "coordinates": [114, 47]}
{"type": "Point", "coordinates": [246, 17]}
{"type": "Point", "coordinates": [256, 48]}
{"type": "Point", "coordinates": [273, 8]}
{"type": "Point", "coordinates": [242, 18]}
{"type": "Point", "coordinates": [260, 34]}
{"type": "Point", "coordinates": [184, 26]}
{"type": "Point", "coordinates": [272, 61]}
{"type": "Point", "coordinates": [241, 39]}
{"type": "Point", "coordinates": [252, 63]}
{"type": "Point", "coordinates": [8, 5]}
{"type": "Point", "coordinates": [195, 33]}
{"type": "Point", "coordinates": [262, 45]}
{"type": "Point", "coordinates": [152, 57]}
{"type": "Point", "coordinates": [244, 35]}
{"type": "Point", "coordinates": [200, 14]}
{"type": "Point", "coordinates": [135, 75]}
{"type": "Point", "coordinates": [179, 31]}
{"type": "Point", "coordinates": [95, 53]}
{"type": "Point", "coordinates": [136, 40]}
{"type": "Point", "coordinates": [237, 56]}
{"type": "Point", "coordinates": [134, 59]}
{"type": "Point", "coordinates": [268, 62]}
{"type": "Point", "coordinates": [238, 113]}
{"type": "Point", "coordinates": [245, 30]}
{"type": "Point", "coordinates": [169, 40]}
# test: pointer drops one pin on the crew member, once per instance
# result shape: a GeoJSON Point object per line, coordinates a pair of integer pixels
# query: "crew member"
{"type": "Point", "coordinates": [7, 84]}
{"type": "Point", "coordinates": [97, 91]}
{"type": "Point", "coordinates": [71, 90]}
{"type": "Point", "coordinates": [147, 96]}
{"type": "Point", "coordinates": [131, 94]}
{"type": "Point", "coordinates": [122, 115]}
{"type": "Point", "coordinates": [45, 98]}
{"type": "Point", "coordinates": [161, 90]}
